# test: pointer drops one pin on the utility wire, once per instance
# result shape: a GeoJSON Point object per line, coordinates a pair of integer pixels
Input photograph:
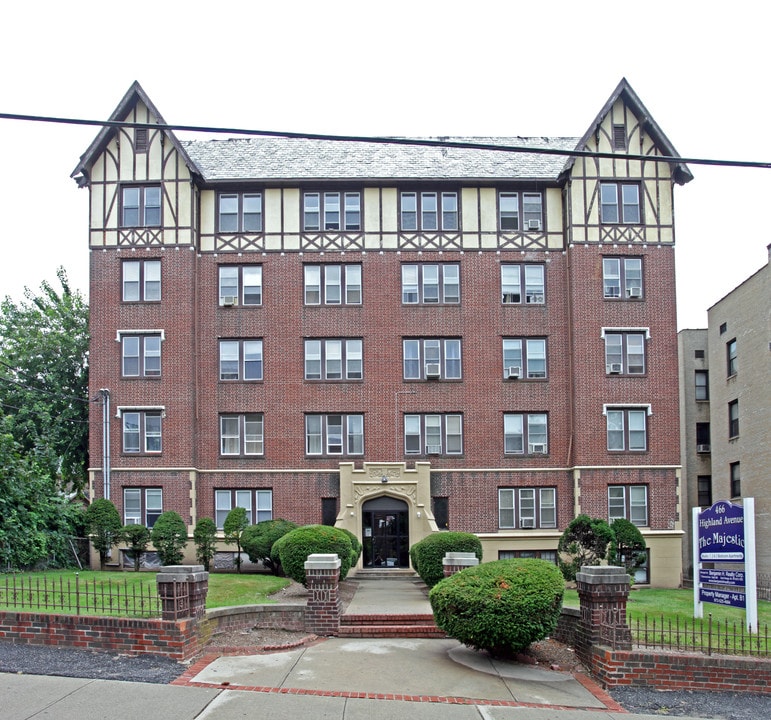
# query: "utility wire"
{"type": "Point", "coordinates": [21, 384]}
{"type": "Point", "coordinates": [388, 141]}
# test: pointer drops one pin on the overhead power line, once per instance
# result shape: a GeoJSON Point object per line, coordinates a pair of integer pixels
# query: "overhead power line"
{"type": "Point", "coordinates": [388, 141]}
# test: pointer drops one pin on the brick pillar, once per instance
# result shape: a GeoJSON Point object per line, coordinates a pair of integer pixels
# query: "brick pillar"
{"type": "Point", "coordinates": [322, 578]}
{"type": "Point", "coordinates": [603, 592]}
{"type": "Point", "coordinates": [182, 589]}
{"type": "Point", "coordinates": [454, 562]}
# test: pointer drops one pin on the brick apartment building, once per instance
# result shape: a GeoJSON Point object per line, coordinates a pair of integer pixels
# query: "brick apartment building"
{"type": "Point", "coordinates": [396, 338]}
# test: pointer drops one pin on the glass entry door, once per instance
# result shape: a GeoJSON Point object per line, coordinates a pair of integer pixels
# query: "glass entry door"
{"type": "Point", "coordinates": [385, 533]}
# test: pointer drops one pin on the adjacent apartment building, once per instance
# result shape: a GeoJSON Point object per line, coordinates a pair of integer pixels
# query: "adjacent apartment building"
{"type": "Point", "coordinates": [394, 337]}
{"type": "Point", "coordinates": [726, 410]}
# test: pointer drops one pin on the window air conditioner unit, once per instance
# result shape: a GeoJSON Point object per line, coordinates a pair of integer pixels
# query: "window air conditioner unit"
{"type": "Point", "coordinates": [538, 448]}
{"type": "Point", "coordinates": [536, 299]}
{"type": "Point", "coordinates": [432, 370]}
{"type": "Point", "coordinates": [229, 300]}
{"type": "Point", "coordinates": [526, 523]}
{"type": "Point", "coordinates": [533, 224]}
{"type": "Point", "coordinates": [513, 373]}
{"type": "Point", "coordinates": [703, 448]}
{"type": "Point", "coordinates": [634, 292]}
{"type": "Point", "coordinates": [614, 369]}
{"type": "Point", "coordinates": [433, 449]}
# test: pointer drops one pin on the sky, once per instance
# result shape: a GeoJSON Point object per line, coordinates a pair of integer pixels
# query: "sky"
{"type": "Point", "coordinates": [419, 68]}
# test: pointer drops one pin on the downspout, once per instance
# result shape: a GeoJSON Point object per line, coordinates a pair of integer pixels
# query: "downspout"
{"type": "Point", "coordinates": [105, 393]}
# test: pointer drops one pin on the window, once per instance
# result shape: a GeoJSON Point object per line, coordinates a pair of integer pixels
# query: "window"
{"type": "Point", "coordinates": [142, 506]}
{"type": "Point", "coordinates": [242, 434]}
{"type": "Point", "coordinates": [332, 211]}
{"type": "Point", "coordinates": [624, 353]}
{"type": "Point", "coordinates": [240, 285]}
{"type": "Point", "coordinates": [733, 419]}
{"type": "Point", "coordinates": [434, 358]}
{"type": "Point", "coordinates": [698, 354]}
{"type": "Point", "coordinates": [332, 284]}
{"type": "Point", "coordinates": [433, 434]}
{"type": "Point", "coordinates": [240, 359]}
{"type": "Point", "coordinates": [431, 284]}
{"type": "Point", "coordinates": [257, 503]}
{"type": "Point", "coordinates": [516, 277]}
{"type": "Point", "coordinates": [524, 358]}
{"type": "Point", "coordinates": [513, 205]}
{"type": "Point", "coordinates": [731, 357]}
{"type": "Point", "coordinates": [629, 502]}
{"type": "Point", "coordinates": [704, 490]}
{"type": "Point", "coordinates": [550, 555]}
{"type": "Point", "coordinates": [702, 384]}
{"type": "Point", "coordinates": [525, 433]}
{"type": "Point", "coordinates": [703, 440]}
{"type": "Point", "coordinates": [441, 509]}
{"type": "Point", "coordinates": [334, 434]}
{"type": "Point", "coordinates": [141, 280]}
{"type": "Point", "coordinates": [141, 355]}
{"type": "Point", "coordinates": [333, 360]}
{"type": "Point", "coordinates": [239, 213]}
{"type": "Point", "coordinates": [620, 203]}
{"type": "Point", "coordinates": [141, 431]}
{"type": "Point", "coordinates": [429, 211]}
{"type": "Point", "coordinates": [527, 508]}
{"type": "Point", "coordinates": [622, 278]}
{"type": "Point", "coordinates": [627, 429]}
{"type": "Point", "coordinates": [736, 479]}
{"type": "Point", "coordinates": [141, 206]}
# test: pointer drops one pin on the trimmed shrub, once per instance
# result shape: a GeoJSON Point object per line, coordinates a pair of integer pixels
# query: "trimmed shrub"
{"type": "Point", "coordinates": [137, 537]}
{"type": "Point", "coordinates": [628, 547]}
{"type": "Point", "coordinates": [296, 545]}
{"type": "Point", "coordinates": [103, 523]}
{"type": "Point", "coordinates": [500, 606]}
{"type": "Point", "coordinates": [235, 523]}
{"type": "Point", "coordinates": [257, 541]}
{"type": "Point", "coordinates": [169, 536]}
{"type": "Point", "coordinates": [584, 542]}
{"type": "Point", "coordinates": [205, 539]}
{"type": "Point", "coordinates": [427, 555]}
{"type": "Point", "coordinates": [275, 555]}
{"type": "Point", "coordinates": [355, 546]}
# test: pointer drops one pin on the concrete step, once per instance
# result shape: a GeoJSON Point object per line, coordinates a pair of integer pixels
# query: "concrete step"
{"type": "Point", "coordinates": [388, 619]}
{"type": "Point", "coordinates": [382, 574]}
{"type": "Point", "coordinates": [391, 631]}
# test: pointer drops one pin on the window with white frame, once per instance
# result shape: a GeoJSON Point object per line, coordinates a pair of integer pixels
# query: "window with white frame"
{"type": "Point", "coordinates": [142, 506]}
{"type": "Point", "coordinates": [527, 508]}
{"type": "Point", "coordinates": [430, 283]}
{"type": "Point", "coordinates": [141, 280]}
{"type": "Point", "coordinates": [433, 434]}
{"type": "Point", "coordinates": [620, 203]}
{"type": "Point", "coordinates": [257, 503]}
{"type": "Point", "coordinates": [432, 359]}
{"type": "Point", "coordinates": [628, 502]}
{"type": "Point", "coordinates": [333, 359]}
{"type": "Point", "coordinates": [141, 431]}
{"type": "Point", "coordinates": [429, 211]}
{"type": "Point", "coordinates": [523, 284]}
{"type": "Point", "coordinates": [524, 358]}
{"type": "Point", "coordinates": [627, 429]}
{"type": "Point", "coordinates": [241, 360]}
{"type": "Point", "coordinates": [242, 434]}
{"type": "Point", "coordinates": [239, 212]}
{"type": "Point", "coordinates": [331, 211]}
{"type": "Point", "coordinates": [622, 278]}
{"type": "Point", "coordinates": [520, 211]}
{"type": "Point", "coordinates": [240, 285]}
{"type": "Point", "coordinates": [141, 355]}
{"type": "Point", "coordinates": [140, 206]}
{"type": "Point", "coordinates": [624, 352]}
{"type": "Point", "coordinates": [334, 434]}
{"type": "Point", "coordinates": [332, 284]}
{"type": "Point", "coordinates": [525, 433]}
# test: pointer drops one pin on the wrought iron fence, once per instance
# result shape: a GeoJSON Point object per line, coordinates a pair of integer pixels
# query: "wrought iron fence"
{"type": "Point", "coordinates": [80, 596]}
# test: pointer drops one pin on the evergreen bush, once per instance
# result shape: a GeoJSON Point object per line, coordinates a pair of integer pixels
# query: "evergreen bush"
{"type": "Point", "coordinates": [257, 541]}
{"type": "Point", "coordinates": [584, 542]}
{"type": "Point", "coordinates": [355, 546]}
{"type": "Point", "coordinates": [137, 537]}
{"type": "Point", "coordinates": [297, 545]}
{"type": "Point", "coordinates": [205, 539]}
{"type": "Point", "coordinates": [169, 536]}
{"type": "Point", "coordinates": [427, 554]}
{"type": "Point", "coordinates": [103, 524]}
{"type": "Point", "coordinates": [627, 548]}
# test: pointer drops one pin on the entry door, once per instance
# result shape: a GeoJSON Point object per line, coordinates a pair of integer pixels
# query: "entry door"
{"type": "Point", "coordinates": [385, 534]}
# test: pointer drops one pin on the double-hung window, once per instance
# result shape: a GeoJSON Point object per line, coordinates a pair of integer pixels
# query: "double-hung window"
{"type": "Point", "coordinates": [525, 433]}
{"type": "Point", "coordinates": [620, 203]}
{"type": "Point", "coordinates": [240, 285]}
{"type": "Point", "coordinates": [257, 503]}
{"type": "Point", "coordinates": [733, 419]}
{"type": "Point", "coordinates": [141, 280]}
{"type": "Point", "coordinates": [433, 434]}
{"type": "Point", "coordinates": [518, 277]}
{"type": "Point", "coordinates": [242, 434]}
{"type": "Point", "coordinates": [627, 429]}
{"type": "Point", "coordinates": [141, 355]}
{"type": "Point", "coordinates": [527, 508]}
{"type": "Point", "coordinates": [431, 283]}
{"type": "Point", "coordinates": [622, 278]}
{"type": "Point", "coordinates": [624, 352]}
{"type": "Point", "coordinates": [142, 506]}
{"type": "Point", "coordinates": [524, 358]}
{"type": "Point", "coordinates": [730, 349]}
{"type": "Point", "coordinates": [140, 206]}
{"type": "Point", "coordinates": [334, 434]}
{"type": "Point", "coordinates": [240, 359]}
{"type": "Point", "coordinates": [429, 211]}
{"type": "Point", "coordinates": [735, 472]}
{"type": "Point", "coordinates": [628, 502]}
{"type": "Point", "coordinates": [239, 212]}
{"type": "Point", "coordinates": [141, 430]}
{"type": "Point", "coordinates": [331, 211]}
{"type": "Point", "coordinates": [338, 359]}
{"type": "Point", "coordinates": [701, 379]}
{"type": "Point", "coordinates": [332, 284]}
{"type": "Point", "coordinates": [432, 359]}
{"type": "Point", "coordinates": [520, 211]}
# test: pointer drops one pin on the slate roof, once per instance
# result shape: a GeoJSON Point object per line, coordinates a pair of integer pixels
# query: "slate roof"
{"type": "Point", "coordinates": [286, 159]}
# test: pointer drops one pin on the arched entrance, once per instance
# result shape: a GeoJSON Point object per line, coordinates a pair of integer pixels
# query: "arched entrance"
{"type": "Point", "coordinates": [385, 533]}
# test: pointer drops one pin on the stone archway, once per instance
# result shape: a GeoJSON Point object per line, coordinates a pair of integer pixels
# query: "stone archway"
{"type": "Point", "coordinates": [385, 531]}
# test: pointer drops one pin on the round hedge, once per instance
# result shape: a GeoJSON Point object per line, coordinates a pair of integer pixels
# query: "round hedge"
{"type": "Point", "coordinates": [295, 546]}
{"type": "Point", "coordinates": [428, 554]}
{"type": "Point", "coordinates": [257, 540]}
{"type": "Point", "coordinates": [500, 606]}
{"type": "Point", "coordinates": [355, 546]}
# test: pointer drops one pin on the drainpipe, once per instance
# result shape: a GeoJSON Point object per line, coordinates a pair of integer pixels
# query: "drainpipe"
{"type": "Point", "coordinates": [105, 393]}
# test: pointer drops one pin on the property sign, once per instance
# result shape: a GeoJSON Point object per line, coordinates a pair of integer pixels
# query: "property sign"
{"type": "Point", "coordinates": [734, 578]}
{"type": "Point", "coordinates": [721, 533]}
{"type": "Point", "coordinates": [723, 597]}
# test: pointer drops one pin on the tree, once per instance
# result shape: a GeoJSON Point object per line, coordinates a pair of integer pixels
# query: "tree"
{"type": "Point", "coordinates": [235, 524]}
{"type": "Point", "coordinates": [169, 536]}
{"type": "Point", "coordinates": [44, 378]}
{"type": "Point", "coordinates": [205, 539]}
{"type": "Point", "coordinates": [628, 546]}
{"type": "Point", "coordinates": [584, 542]}
{"type": "Point", "coordinates": [104, 526]}
{"type": "Point", "coordinates": [137, 537]}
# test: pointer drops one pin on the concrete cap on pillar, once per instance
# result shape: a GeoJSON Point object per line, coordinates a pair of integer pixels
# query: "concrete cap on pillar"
{"type": "Point", "coordinates": [322, 561]}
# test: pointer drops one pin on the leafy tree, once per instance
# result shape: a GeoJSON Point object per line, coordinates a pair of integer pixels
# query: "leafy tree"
{"type": "Point", "coordinates": [103, 525]}
{"type": "Point", "coordinates": [169, 536]}
{"type": "Point", "coordinates": [205, 539]}
{"type": "Point", "coordinates": [137, 537]}
{"type": "Point", "coordinates": [628, 546]}
{"type": "Point", "coordinates": [584, 542]}
{"type": "Point", "coordinates": [235, 524]}
{"type": "Point", "coordinates": [257, 540]}
{"type": "Point", "coordinates": [44, 378]}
